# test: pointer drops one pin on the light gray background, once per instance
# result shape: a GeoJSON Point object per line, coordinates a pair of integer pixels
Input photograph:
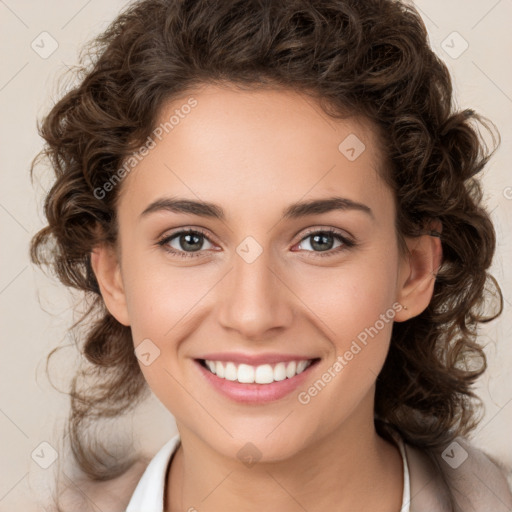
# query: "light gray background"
{"type": "Point", "coordinates": [36, 311]}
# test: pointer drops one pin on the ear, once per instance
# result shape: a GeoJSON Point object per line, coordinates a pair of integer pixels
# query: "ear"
{"type": "Point", "coordinates": [418, 271]}
{"type": "Point", "coordinates": [107, 269]}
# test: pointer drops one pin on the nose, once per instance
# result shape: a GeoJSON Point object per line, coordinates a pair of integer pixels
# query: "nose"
{"type": "Point", "coordinates": [255, 299]}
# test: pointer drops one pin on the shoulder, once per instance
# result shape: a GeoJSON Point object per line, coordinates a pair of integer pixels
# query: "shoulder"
{"type": "Point", "coordinates": [457, 478]}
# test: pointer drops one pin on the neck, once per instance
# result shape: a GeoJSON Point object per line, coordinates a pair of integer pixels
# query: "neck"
{"type": "Point", "coordinates": [349, 469]}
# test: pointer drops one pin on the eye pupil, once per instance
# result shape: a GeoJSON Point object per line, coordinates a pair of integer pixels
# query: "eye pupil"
{"type": "Point", "coordinates": [323, 238]}
{"type": "Point", "coordinates": [184, 241]}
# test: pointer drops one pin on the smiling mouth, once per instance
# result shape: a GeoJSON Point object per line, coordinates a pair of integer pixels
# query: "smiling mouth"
{"type": "Point", "coordinates": [260, 374]}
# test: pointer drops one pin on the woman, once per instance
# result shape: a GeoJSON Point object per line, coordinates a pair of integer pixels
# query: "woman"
{"type": "Point", "coordinates": [275, 211]}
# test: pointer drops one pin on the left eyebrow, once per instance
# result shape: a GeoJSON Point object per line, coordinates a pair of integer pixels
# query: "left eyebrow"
{"type": "Point", "coordinates": [319, 206]}
{"type": "Point", "coordinates": [293, 211]}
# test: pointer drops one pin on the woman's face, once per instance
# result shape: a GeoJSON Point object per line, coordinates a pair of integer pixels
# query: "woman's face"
{"type": "Point", "coordinates": [256, 282]}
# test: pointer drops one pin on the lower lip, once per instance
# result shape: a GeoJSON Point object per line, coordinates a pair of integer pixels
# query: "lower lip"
{"type": "Point", "coordinates": [255, 393]}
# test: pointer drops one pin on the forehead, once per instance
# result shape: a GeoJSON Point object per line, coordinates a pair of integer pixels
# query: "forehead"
{"type": "Point", "coordinates": [223, 143]}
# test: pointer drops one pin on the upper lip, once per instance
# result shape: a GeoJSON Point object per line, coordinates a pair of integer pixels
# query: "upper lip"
{"type": "Point", "coordinates": [255, 359]}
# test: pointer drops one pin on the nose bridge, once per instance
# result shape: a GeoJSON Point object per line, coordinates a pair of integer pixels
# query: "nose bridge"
{"type": "Point", "coordinates": [254, 299]}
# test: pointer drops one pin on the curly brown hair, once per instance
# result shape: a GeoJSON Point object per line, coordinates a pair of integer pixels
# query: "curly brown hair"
{"type": "Point", "coordinates": [369, 59]}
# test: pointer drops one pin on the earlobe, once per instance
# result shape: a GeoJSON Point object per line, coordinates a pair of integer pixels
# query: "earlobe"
{"type": "Point", "coordinates": [106, 268]}
{"type": "Point", "coordinates": [418, 272]}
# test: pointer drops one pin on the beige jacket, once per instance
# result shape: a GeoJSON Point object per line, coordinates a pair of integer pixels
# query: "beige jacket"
{"type": "Point", "coordinates": [460, 478]}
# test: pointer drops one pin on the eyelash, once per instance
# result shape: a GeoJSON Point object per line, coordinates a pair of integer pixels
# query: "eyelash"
{"type": "Point", "coordinates": [347, 243]}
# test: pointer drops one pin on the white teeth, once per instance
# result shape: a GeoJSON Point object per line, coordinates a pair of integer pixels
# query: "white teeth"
{"type": "Point", "coordinates": [211, 365]}
{"type": "Point", "coordinates": [245, 373]}
{"type": "Point", "coordinates": [301, 366]}
{"type": "Point", "coordinates": [230, 373]}
{"type": "Point", "coordinates": [291, 369]}
{"type": "Point", "coordinates": [262, 374]}
{"type": "Point", "coordinates": [280, 371]}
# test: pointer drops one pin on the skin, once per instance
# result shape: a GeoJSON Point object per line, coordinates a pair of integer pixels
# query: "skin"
{"type": "Point", "coordinates": [253, 153]}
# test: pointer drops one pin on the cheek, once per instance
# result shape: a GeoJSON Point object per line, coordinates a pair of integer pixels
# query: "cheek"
{"type": "Point", "coordinates": [353, 307]}
{"type": "Point", "coordinates": [356, 316]}
{"type": "Point", "coordinates": [349, 298]}
{"type": "Point", "coordinates": [162, 297]}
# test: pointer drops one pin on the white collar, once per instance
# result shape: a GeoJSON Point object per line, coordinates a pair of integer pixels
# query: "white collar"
{"type": "Point", "coordinates": [149, 493]}
{"type": "Point", "coordinates": [406, 495]}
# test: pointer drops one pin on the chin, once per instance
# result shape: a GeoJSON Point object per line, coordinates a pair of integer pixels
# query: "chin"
{"type": "Point", "coordinates": [259, 443]}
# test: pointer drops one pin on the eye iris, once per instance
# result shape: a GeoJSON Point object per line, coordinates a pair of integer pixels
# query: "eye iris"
{"type": "Point", "coordinates": [194, 246]}
{"type": "Point", "coordinates": [322, 237]}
